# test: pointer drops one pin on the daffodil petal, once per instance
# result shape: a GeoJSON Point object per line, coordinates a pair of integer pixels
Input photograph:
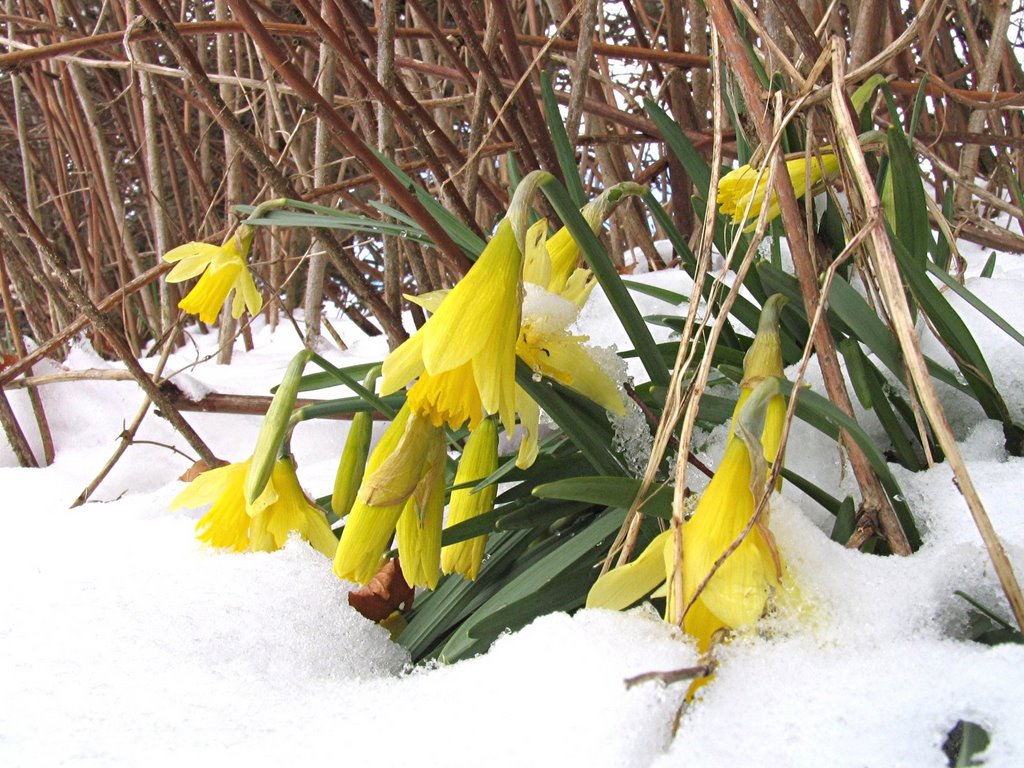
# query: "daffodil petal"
{"type": "Point", "coordinates": [368, 531]}
{"type": "Point", "coordinates": [536, 262]}
{"type": "Point", "coordinates": [205, 251]}
{"type": "Point", "coordinates": [187, 268]}
{"type": "Point", "coordinates": [208, 295]}
{"type": "Point", "coordinates": [620, 587]}
{"type": "Point", "coordinates": [246, 295]}
{"type": "Point", "coordinates": [491, 289]}
{"type": "Point", "coordinates": [208, 485]}
{"type": "Point", "coordinates": [430, 301]}
{"type": "Point", "coordinates": [586, 376]}
{"type": "Point", "coordinates": [529, 420]}
{"type": "Point", "coordinates": [403, 365]}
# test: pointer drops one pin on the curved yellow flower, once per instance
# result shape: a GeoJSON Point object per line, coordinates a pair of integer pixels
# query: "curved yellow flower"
{"type": "Point", "coordinates": [555, 291]}
{"type": "Point", "coordinates": [737, 592]}
{"type": "Point", "coordinates": [465, 353]}
{"type": "Point", "coordinates": [741, 186]}
{"type": "Point", "coordinates": [283, 507]}
{"type": "Point", "coordinates": [223, 269]}
{"type": "Point", "coordinates": [226, 522]}
{"type": "Point", "coordinates": [263, 526]}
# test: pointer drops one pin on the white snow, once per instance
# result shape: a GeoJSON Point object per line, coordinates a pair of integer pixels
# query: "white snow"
{"type": "Point", "coordinates": [127, 642]}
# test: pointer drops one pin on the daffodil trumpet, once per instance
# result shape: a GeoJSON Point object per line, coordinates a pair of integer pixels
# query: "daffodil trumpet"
{"type": "Point", "coordinates": [730, 562]}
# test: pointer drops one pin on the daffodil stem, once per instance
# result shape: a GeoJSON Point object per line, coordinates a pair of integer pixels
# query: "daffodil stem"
{"type": "Point", "coordinates": [384, 406]}
{"type": "Point", "coordinates": [263, 208]}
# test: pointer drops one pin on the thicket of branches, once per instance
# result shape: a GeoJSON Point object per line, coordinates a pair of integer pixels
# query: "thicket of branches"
{"type": "Point", "coordinates": [131, 127]}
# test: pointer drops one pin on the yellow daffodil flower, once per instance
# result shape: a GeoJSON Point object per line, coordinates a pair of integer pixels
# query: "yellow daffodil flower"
{"type": "Point", "coordinates": [737, 592]}
{"type": "Point", "coordinates": [741, 186]}
{"type": "Point", "coordinates": [465, 354]}
{"type": "Point", "coordinates": [555, 292]}
{"type": "Point", "coordinates": [479, 459]}
{"type": "Point", "coordinates": [263, 526]}
{"type": "Point", "coordinates": [223, 269]}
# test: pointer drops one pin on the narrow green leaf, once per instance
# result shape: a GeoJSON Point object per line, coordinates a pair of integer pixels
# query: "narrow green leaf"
{"type": "Point", "coordinates": [823, 415]}
{"type": "Point", "coordinates": [564, 151]}
{"type": "Point", "coordinates": [463, 236]}
{"type": "Point", "coordinates": [846, 521]}
{"type": "Point", "coordinates": [325, 380]}
{"type": "Point", "coordinates": [961, 344]}
{"type": "Point", "coordinates": [338, 406]}
{"type": "Point", "coordinates": [679, 244]}
{"type": "Point", "coordinates": [669, 297]}
{"type": "Point", "coordinates": [518, 601]}
{"type": "Point", "coordinates": [820, 496]}
{"type": "Point", "coordinates": [583, 422]}
{"type": "Point", "coordinates": [608, 492]}
{"type": "Point", "coordinates": [909, 208]}
{"type": "Point", "coordinates": [990, 265]}
{"type": "Point", "coordinates": [855, 368]}
{"type": "Point", "coordinates": [965, 293]}
{"type": "Point", "coordinates": [696, 167]}
{"type": "Point", "coordinates": [349, 381]}
{"type": "Point", "coordinates": [919, 97]}
{"type": "Point", "coordinates": [438, 613]}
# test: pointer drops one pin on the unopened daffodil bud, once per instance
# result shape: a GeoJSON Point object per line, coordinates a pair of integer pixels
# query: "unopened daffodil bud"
{"type": "Point", "coordinates": [353, 456]}
{"type": "Point", "coordinates": [275, 427]}
{"type": "Point", "coordinates": [764, 360]}
{"type": "Point", "coordinates": [479, 460]}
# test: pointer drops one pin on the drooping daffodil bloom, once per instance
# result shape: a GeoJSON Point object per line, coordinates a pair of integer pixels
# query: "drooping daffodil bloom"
{"type": "Point", "coordinates": [742, 186]}
{"type": "Point", "coordinates": [736, 592]}
{"type": "Point", "coordinates": [223, 269]}
{"type": "Point", "coordinates": [465, 354]}
{"type": "Point", "coordinates": [264, 525]}
{"type": "Point", "coordinates": [555, 291]}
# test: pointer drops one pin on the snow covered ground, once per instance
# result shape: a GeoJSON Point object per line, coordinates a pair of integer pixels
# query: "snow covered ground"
{"type": "Point", "coordinates": [126, 642]}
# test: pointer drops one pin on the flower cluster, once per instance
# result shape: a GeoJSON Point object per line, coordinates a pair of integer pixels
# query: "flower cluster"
{"type": "Point", "coordinates": [463, 362]}
{"type": "Point", "coordinates": [518, 300]}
